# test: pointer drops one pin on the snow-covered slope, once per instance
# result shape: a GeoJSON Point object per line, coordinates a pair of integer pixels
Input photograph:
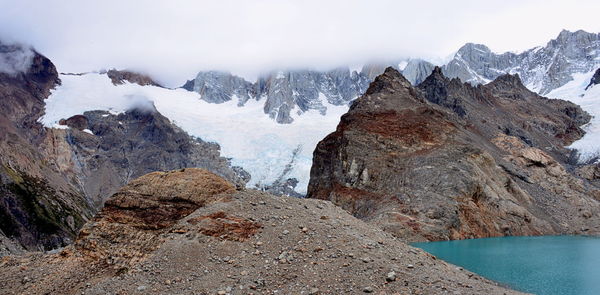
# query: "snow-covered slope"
{"type": "Point", "coordinates": [253, 140]}
{"type": "Point", "coordinates": [589, 100]}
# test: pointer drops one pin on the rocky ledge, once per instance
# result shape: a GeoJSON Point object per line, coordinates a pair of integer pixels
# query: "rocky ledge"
{"type": "Point", "coordinates": [446, 160]}
{"type": "Point", "coordinates": [191, 232]}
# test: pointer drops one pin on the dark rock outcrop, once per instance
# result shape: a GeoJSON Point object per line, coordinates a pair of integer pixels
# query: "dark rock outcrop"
{"type": "Point", "coordinates": [125, 146]}
{"type": "Point", "coordinates": [446, 160]}
{"type": "Point", "coordinates": [595, 79]}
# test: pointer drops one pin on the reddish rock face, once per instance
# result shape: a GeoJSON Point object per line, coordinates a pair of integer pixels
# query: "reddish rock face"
{"type": "Point", "coordinates": [79, 122]}
{"type": "Point", "coordinates": [120, 77]}
{"type": "Point", "coordinates": [446, 160]}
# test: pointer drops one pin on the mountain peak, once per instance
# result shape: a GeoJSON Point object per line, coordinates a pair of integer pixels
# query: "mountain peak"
{"type": "Point", "coordinates": [387, 80]}
{"type": "Point", "coordinates": [566, 35]}
{"type": "Point", "coordinates": [435, 77]}
{"type": "Point", "coordinates": [470, 47]}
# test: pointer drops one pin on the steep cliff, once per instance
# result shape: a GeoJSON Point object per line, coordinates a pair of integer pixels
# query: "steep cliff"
{"type": "Point", "coordinates": [39, 208]}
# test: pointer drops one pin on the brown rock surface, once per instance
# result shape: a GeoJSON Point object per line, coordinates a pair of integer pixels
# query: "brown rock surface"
{"type": "Point", "coordinates": [446, 160]}
{"type": "Point", "coordinates": [235, 242]}
{"type": "Point", "coordinates": [39, 208]}
{"type": "Point", "coordinates": [120, 77]}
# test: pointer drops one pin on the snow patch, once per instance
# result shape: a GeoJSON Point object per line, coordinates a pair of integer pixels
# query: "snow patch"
{"type": "Point", "coordinates": [402, 65]}
{"type": "Point", "coordinates": [574, 91]}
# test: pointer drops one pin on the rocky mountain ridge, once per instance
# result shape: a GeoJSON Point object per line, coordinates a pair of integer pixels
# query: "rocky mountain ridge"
{"type": "Point", "coordinates": [542, 69]}
{"type": "Point", "coordinates": [297, 91]}
{"type": "Point", "coordinates": [446, 160]}
{"type": "Point", "coordinates": [284, 92]}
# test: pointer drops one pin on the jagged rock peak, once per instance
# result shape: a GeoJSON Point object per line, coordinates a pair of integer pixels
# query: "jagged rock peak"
{"type": "Point", "coordinates": [542, 69]}
{"type": "Point", "coordinates": [510, 80]}
{"type": "Point", "coordinates": [417, 70]}
{"type": "Point", "coordinates": [387, 81]}
{"type": "Point", "coordinates": [283, 92]}
{"type": "Point", "coordinates": [437, 71]}
{"type": "Point", "coordinates": [470, 47]}
{"type": "Point", "coordinates": [565, 35]}
{"type": "Point", "coordinates": [436, 75]}
{"type": "Point", "coordinates": [595, 79]}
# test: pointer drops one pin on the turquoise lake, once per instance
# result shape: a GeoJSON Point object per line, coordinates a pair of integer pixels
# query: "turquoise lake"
{"type": "Point", "coordinates": [556, 265]}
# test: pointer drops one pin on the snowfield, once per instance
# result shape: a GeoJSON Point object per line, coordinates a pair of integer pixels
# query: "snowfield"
{"type": "Point", "coordinates": [246, 134]}
{"type": "Point", "coordinates": [589, 100]}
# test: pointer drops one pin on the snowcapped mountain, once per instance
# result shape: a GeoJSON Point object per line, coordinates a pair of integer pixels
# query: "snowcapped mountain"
{"type": "Point", "coordinates": [298, 91]}
{"type": "Point", "coordinates": [542, 69]}
{"type": "Point", "coordinates": [283, 93]}
{"type": "Point", "coordinates": [271, 152]}
{"type": "Point", "coordinates": [271, 126]}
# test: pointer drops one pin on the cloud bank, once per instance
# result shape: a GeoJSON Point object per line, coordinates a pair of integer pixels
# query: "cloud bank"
{"type": "Point", "coordinates": [172, 40]}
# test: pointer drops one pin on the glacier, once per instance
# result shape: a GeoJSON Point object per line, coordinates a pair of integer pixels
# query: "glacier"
{"type": "Point", "coordinates": [589, 100]}
{"type": "Point", "coordinates": [245, 133]}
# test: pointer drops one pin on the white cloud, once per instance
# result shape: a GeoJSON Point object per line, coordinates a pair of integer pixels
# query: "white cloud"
{"type": "Point", "coordinates": [15, 58]}
{"type": "Point", "coordinates": [172, 40]}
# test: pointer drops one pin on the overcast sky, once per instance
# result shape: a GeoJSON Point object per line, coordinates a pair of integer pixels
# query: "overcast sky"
{"type": "Point", "coordinates": [172, 40]}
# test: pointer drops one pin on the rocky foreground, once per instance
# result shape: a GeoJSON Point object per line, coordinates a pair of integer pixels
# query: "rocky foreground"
{"type": "Point", "coordinates": [192, 232]}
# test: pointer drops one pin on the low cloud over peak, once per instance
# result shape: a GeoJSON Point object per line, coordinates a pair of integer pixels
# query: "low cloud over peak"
{"type": "Point", "coordinates": [172, 40]}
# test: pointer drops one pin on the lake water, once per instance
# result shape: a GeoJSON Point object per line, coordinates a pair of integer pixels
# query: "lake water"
{"type": "Point", "coordinates": [557, 265]}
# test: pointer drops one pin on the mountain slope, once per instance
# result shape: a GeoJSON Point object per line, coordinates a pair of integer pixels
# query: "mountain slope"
{"type": "Point", "coordinates": [53, 180]}
{"type": "Point", "coordinates": [446, 160]}
{"type": "Point", "coordinates": [39, 209]}
{"type": "Point", "coordinates": [191, 232]}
